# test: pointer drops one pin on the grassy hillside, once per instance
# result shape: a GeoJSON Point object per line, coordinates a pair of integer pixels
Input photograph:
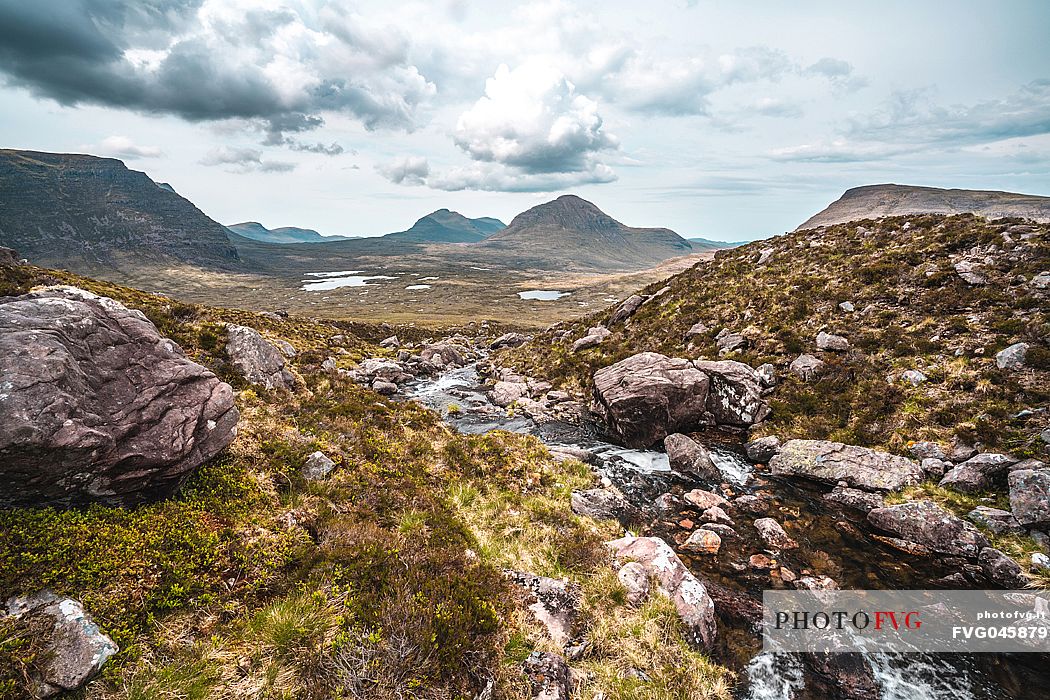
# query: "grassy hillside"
{"type": "Point", "coordinates": [382, 581]}
{"type": "Point", "coordinates": [912, 312]}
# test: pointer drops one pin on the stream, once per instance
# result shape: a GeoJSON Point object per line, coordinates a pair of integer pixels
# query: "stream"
{"type": "Point", "coordinates": [832, 543]}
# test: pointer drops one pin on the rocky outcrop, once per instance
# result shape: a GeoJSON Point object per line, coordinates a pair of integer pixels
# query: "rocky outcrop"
{"type": "Point", "coordinates": [648, 396]}
{"type": "Point", "coordinates": [626, 309]}
{"type": "Point", "coordinates": [735, 394]}
{"type": "Point", "coordinates": [807, 367]}
{"type": "Point", "coordinates": [96, 406]}
{"type": "Point", "coordinates": [256, 359]}
{"type": "Point", "coordinates": [8, 257]}
{"type": "Point", "coordinates": [508, 340]}
{"type": "Point", "coordinates": [687, 456]}
{"type": "Point", "coordinates": [690, 597]}
{"type": "Point", "coordinates": [549, 676]}
{"type": "Point", "coordinates": [595, 336]}
{"type": "Point", "coordinates": [554, 603]}
{"type": "Point", "coordinates": [1030, 496]}
{"type": "Point", "coordinates": [833, 462]}
{"type": "Point", "coordinates": [77, 648]}
{"type": "Point", "coordinates": [603, 504]}
{"type": "Point", "coordinates": [927, 524]}
{"type": "Point", "coordinates": [976, 473]}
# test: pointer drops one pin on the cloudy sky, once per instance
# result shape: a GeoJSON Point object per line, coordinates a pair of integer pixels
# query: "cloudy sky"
{"type": "Point", "coordinates": [729, 120]}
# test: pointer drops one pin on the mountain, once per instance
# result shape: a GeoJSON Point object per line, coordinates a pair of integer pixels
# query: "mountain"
{"type": "Point", "coordinates": [283, 235]}
{"type": "Point", "coordinates": [444, 226]}
{"type": "Point", "coordinates": [708, 244]}
{"type": "Point", "coordinates": [876, 201]}
{"type": "Point", "coordinates": [85, 213]}
{"type": "Point", "coordinates": [575, 232]}
{"type": "Point", "coordinates": [936, 300]}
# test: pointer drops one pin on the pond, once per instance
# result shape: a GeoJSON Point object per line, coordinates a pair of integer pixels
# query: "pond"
{"type": "Point", "coordinates": [335, 280]}
{"type": "Point", "coordinates": [542, 295]}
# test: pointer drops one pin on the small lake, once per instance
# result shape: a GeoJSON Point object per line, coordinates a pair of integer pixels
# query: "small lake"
{"type": "Point", "coordinates": [542, 295]}
{"type": "Point", "coordinates": [335, 280]}
{"type": "Point", "coordinates": [418, 286]}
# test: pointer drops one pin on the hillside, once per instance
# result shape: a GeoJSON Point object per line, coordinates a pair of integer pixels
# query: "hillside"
{"type": "Point", "coordinates": [444, 226]}
{"type": "Point", "coordinates": [876, 201]}
{"type": "Point", "coordinates": [930, 294]}
{"type": "Point", "coordinates": [283, 235]}
{"type": "Point", "coordinates": [573, 231]}
{"type": "Point", "coordinates": [92, 214]}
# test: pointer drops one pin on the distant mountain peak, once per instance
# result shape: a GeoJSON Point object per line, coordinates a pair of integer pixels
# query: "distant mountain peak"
{"type": "Point", "coordinates": [447, 226]}
{"type": "Point", "coordinates": [568, 211]}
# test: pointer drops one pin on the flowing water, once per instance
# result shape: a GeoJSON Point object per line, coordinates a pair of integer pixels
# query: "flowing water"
{"type": "Point", "coordinates": [832, 543]}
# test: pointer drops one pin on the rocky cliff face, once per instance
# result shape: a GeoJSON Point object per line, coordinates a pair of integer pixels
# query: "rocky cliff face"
{"type": "Point", "coordinates": [85, 213]}
{"type": "Point", "coordinates": [877, 201]}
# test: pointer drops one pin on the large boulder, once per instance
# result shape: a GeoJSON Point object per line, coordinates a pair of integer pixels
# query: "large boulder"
{"type": "Point", "coordinates": [626, 309]}
{"type": "Point", "coordinates": [648, 396]}
{"type": "Point", "coordinates": [927, 524]}
{"type": "Point", "coordinates": [1029, 496]}
{"type": "Point", "coordinates": [735, 395]}
{"type": "Point", "coordinates": [96, 406]}
{"type": "Point", "coordinates": [603, 504]}
{"type": "Point", "coordinates": [595, 337]}
{"type": "Point", "coordinates": [508, 340]}
{"type": "Point", "coordinates": [687, 456]}
{"type": "Point", "coordinates": [976, 473]}
{"type": "Point", "coordinates": [76, 647]}
{"type": "Point", "coordinates": [832, 462]}
{"type": "Point", "coordinates": [256, 359]}
{"type": "Point", "coordinates": [444, 355]}
{"type": "Point", "coordinates": [690, 597]}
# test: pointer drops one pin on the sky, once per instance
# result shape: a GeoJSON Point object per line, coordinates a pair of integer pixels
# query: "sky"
{"type": "Point", "coordinates": [726, 120]}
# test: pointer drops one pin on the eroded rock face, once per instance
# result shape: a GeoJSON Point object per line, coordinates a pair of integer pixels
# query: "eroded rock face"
{"type": "Point", "coordinates": [8, 257]}
{"type": "Point", "coordinates": [96, 406]}
{"type": "Point", "coordinates": [648, 396]}
{"type": "Point", "coordinates": [256, 359]}
{"type": "Point", "coordinates": [78, 648]}
{"type": "Point", "coordinates": [1030, 496]}
{"type": "Point", "coordinates": [626, 309]}
{"type": "Point", "coordinates": [735, 394]}
{"type": "Point", "coordinates": [833, 462]}
{"type": "Point", "coordinates": [690, 597]}
{"type": "Point", "coordinates": [927, 524]}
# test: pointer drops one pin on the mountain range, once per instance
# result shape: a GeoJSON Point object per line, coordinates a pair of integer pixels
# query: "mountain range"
{"type": "Point", "coordinates": [877, 201]}
{"type": "Point", "coordinates": [283, 235]}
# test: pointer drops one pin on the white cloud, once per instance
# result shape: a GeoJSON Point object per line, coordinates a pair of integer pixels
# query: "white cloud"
{"type": "Point", "coordinates": [412, 170]}
{"type": "Point", "coordinates": [123, 147]}
{"type": "Point", "coordinates": [244, 160]}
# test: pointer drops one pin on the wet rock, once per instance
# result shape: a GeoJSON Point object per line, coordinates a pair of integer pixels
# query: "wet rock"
{"type": "Point", "coordinates": [391, 343]}
{"type": "Point", "coordinates": [554, 603]}
{"type": "Point", "coordinates": [256, 359]}
{"type": "Point", "coordinates": [635, 580]}
{"type": "Point", "coordinates": [831, 343]}
{"type": "Point", "coordinates": [1001, 569]}
{"type": "Point", "coordinates": [1030, 496]}
{"type": "Point", "coordinates": [774, 535]}
{"type": "Point", "coordinates": [626, 309]}
{"type": "Point", "coordinates": [760, 562]}
{"type": "Point", "coordinates": [763, 449]}
{"type": "Point", "coordinates": [767, 375]}
{"type": "Point", "coordinates": [317, 466]}
{"type": "Point", "coordinates": [548, 675]}
{"type": "Point", "coordinates": [693, 603]}
{"type": "Point", "coordinates": [927, 524]}
{"type": "Point", "coordinates": [843, 676]}
{"type": "Point", "coordinates": [702, 541]}
{"type": "Point", "coordinates": [687, 456]}
{"type": "Point", "coordinates": [724, 531]}
{"type": "Point", "coordinates": [856, 499]}
{"type": "Point", "coordinates": [648, 396]}
{"type": "Point", "coordinates": [703, 499]}
{"type": "Point", "coordinates": [382, 386]}
{"type": "Point", "coordinates": [1012, 357]}
{"type": "Point", "coordinates": [96, 406]}
{"type": "Point", "coordinates": [735, 394]}
{"type": "Point", "coordinates": [604, 504]}
{"type": "Point", "coordinates": [508, 340]}
{"type": "Point", "coordinates": [77, 648]}
{"type": "Point", "coordinates": [755, 505]}
{"type": "Point", "coordinates": [506, 393]}
{"type": "Point", "coordinates": [595, 337]}
{"type": "Point", "coordinates": [832, 462]}
{"type": "Point", "coordinates": [926, 450]}
{"type": "Point", "coordinates": [807, 367]}
{"type": "Point", "coordinates": [727, 342]}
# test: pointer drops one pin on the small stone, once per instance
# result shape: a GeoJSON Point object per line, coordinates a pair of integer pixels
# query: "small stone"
{"type": "Point", "coordinates": [392, 342]}
{"type": "Point", "coordinates": [632, 577]}
{"type": "Point", "coordinates": [317, 466]}
{"type": "Point", "coordinates": [1012, 357]}
{"type": "Point", "coordinates": [703, 541]}
{"type": "Point", "coordinates": [995, 520]}
{"type": "Point", "coordinates": [697, 329]}
{"type": "Point", "coordinates": [752, 504]}
{"type": "Point", "coordinates": [715, 514]}
{"type": "Point", "coordinates": [913, 377]}
{"type": "Point", "coordinates": [787, 575]}
{"type": "Point", "coordinates": [382, 386]}
{"type": "Point", "coordinates": [831, 343]}
{"type": "Point", "coordinates": [816, 583]}
{"type": "Point", "coordinates": [760, 562]}
{"type": "Point", "coordinates": [935, 468]}
{"type": "Point", "coordinates": [807, 367]}
{"type": "Point", "coordinates": [767, 375]}
{"type": "Point", "coordinates": [773, 534]}
{"type": "Point", "coordinates": [763, 449]}
{"type": "Point", "coordinates": [924, 450]}
{"type": "Point", "coordinates": [846, 306]}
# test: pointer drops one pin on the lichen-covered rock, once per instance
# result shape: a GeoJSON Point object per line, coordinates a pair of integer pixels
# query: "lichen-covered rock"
{"type": "Point", "coordinates": [554, 603]}
{"type": "Point", "coordinates": [927, 524]}
{"type": "Point", "coordinates": [96, 406]}
{"type": "Point", "coordinates": [687, 456]}
{"type": "Point", "coordinates": [1030, 496]}
{"type": "Point", "coordinates": [995, 520]}
{"type": "Point", "coordinates": [690, 597]}
{"type": "Point", "coordinates": [833, 462]}
{"type": "Point", "coordinates": [763, 449]}
{"type": "Point", "coordinates": [635, 581]}
{"type": "Point", "coordinates": [77, 648]}
{"type": "Point", "coordinates": [256, 359]}
{"type": "Point", "coordinates": [976, 473]}
{"type": "Point", "coordinates": [703, 541]}
{"type": "Point", "coordinates": [1012, 357]}
{"type": "Point", "coordinates": [1001, 569]}
{"type": "Point", "coordinates": [854, 498]}
{"type": "Point", "coordinates": [735, 394]}
{"type": "Point", "coordinates": [549, 675]}
{"type": "Point", "coordinates": [648, 396]}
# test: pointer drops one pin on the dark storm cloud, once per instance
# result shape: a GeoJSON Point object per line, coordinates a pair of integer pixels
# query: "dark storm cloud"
{"type": "Point", "coordinates": [77, 51]}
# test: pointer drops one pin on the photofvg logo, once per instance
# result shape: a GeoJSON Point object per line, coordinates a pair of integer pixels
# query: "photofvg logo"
{"type": "Point", "coordinates": [906, 621]}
